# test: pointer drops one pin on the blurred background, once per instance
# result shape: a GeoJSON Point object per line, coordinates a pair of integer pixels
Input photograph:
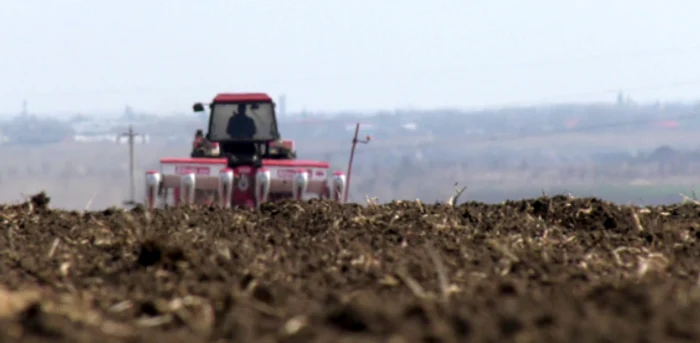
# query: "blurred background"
{"type": "Point", "coordinates": [507, 98]}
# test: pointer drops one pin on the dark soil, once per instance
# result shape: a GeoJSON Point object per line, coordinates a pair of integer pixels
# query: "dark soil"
{"type": "Point", "coordinates": [541, 270]}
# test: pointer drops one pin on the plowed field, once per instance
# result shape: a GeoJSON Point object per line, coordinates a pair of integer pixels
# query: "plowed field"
{"type": "Point", "coordinates": [541, 270]}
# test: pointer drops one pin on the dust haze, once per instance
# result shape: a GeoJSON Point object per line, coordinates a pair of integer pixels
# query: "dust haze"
{"type": "Point", "coordinates": [623, 152]}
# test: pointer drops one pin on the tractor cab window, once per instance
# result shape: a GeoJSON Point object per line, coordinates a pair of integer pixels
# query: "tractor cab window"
{"type": "Point", "coordinates": [242, 122]}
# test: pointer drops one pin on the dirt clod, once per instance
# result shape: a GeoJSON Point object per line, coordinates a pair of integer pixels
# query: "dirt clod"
{"type": "Point", "coordinates": [552, 269]}
{"type": "Point", "coordinates": [40, 200]}
{"type": "Point", "coordinates": [153, 252]}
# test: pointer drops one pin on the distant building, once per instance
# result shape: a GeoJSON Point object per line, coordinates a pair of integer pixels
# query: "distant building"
{"type": "Point", "coordinates": [100, 131]}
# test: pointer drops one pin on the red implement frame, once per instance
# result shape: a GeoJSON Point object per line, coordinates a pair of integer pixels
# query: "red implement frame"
{"type": "Point", "coordinates": [352, 156]}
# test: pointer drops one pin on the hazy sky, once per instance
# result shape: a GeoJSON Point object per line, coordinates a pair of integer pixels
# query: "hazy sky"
{"type": "Point", "coordinates": [161, 56]}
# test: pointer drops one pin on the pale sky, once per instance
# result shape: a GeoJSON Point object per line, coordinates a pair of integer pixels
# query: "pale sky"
{"type": "Point", "coordinates": [161, 56]}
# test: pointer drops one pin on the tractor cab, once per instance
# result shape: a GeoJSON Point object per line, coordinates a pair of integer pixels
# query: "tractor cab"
{"type": "Point", "coordinates": [244, 128]}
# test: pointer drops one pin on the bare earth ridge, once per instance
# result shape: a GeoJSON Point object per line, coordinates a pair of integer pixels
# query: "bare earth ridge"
{"type": "Point", "coordinates": [541, 270]}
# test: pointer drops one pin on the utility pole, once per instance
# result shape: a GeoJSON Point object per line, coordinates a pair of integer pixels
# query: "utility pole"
{"type": "Point", "coordinates": [130, 135]}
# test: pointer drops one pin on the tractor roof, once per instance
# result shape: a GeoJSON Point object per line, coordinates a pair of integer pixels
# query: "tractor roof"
{"type": "Point", "coordinates": [242, 97]}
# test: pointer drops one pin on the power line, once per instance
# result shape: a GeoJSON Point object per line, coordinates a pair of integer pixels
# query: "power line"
{"type": "Point", "coordinates": [647, 87]}
{"type": "Point", "coordinates": [518, 137]}
{"type": "Point", "coordinates": [359, 74]}
{"type": "Point", "coordinates": [581, 129]}
{"type": "Point", "coordinates": [569, 96]}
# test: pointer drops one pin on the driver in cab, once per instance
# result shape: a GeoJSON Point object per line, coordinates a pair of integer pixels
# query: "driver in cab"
{"type": "Point", "coordinates": [240, 125]}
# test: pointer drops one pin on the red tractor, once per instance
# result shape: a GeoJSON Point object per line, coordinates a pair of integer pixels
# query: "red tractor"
{"type": "Point", "coordinates": [242, 161]}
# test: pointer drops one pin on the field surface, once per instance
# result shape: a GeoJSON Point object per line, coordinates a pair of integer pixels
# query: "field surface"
{"type": "Point", "coordinates": [542, 270]}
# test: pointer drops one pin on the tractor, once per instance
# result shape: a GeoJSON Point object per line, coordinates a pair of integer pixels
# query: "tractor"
{"type": "Point", "coordinates": [243, 161]}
